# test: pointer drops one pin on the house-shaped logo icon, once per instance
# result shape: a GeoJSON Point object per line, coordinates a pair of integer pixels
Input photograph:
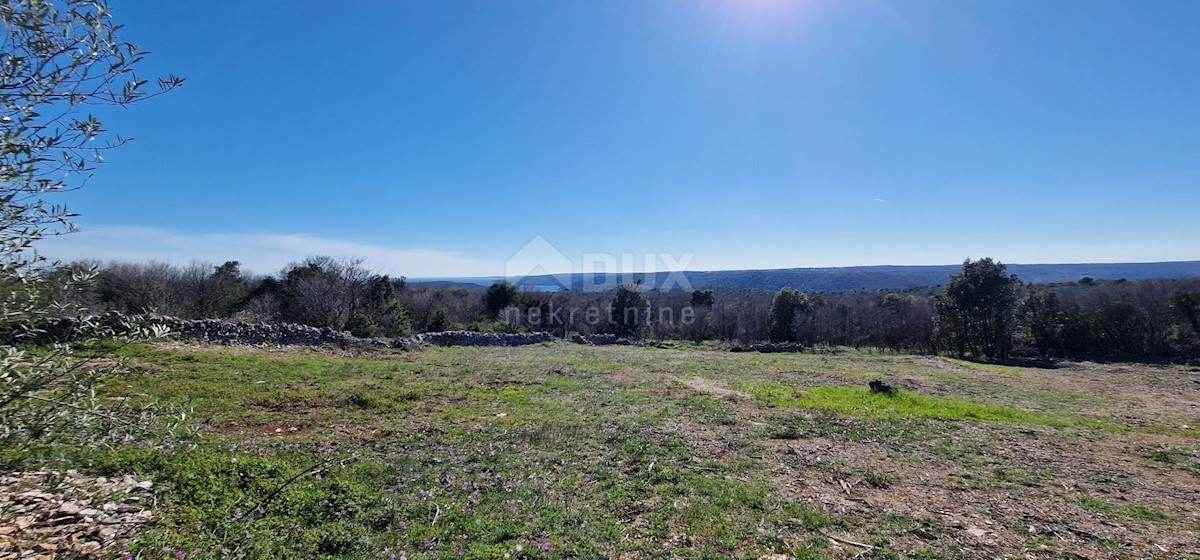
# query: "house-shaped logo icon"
{"type": "Point", "coordinates": [539, 266]}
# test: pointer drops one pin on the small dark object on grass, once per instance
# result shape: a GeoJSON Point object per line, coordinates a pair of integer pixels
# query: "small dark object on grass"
{"type": "Point", "coordinates": [878, 386]}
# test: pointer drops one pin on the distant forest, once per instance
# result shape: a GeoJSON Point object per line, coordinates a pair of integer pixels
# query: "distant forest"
{"type": "Point", "coordinates": [866, 277]}
{"type": "Point", "coordinates": [981, 312]}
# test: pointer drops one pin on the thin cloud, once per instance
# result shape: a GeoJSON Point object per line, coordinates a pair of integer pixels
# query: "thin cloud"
{"type": "Point", "coordinates": [259, 252]}
{"type": "Point", "coordinates": [880, 200]}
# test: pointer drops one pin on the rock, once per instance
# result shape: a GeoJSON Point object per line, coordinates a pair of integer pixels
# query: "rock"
{"type": "Point", "coordinates": [32, 496]}
{"type": "Point", "coordinates": [69, 508]}
{"type": "Point", "coordinates": [600, 339]}
{"type": "Point", "coordinates": [770, 347]}
{"type": "Point", "coordinates": [59, 519]}
{"type": "Point", "coordinates": [882, 388]}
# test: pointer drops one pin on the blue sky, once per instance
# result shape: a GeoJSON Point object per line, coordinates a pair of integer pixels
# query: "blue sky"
{"type": "Point", "coordinates": [438, 138]}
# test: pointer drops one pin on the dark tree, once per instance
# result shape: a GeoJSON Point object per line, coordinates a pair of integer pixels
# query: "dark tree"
{"type": "Point", "coordinates": [976, 311]}
{"type": "Point", "coordinates": [786, 308]}
{"type": "Point", "coordinates": [223, 291]}
{"type": "Point", "coordinates": [1120, 329]}
{"type": "Point", "coordinates": [1186, 305]}
{"type": "Point", "coordinates": [499, 296]}
{"type": "Point", "coordinates": [1042, 314]}
{"type": "Point", "coordinates": [897, 321]}
{"type": "Point", "coordinates": [438, 322]}
{"type": "Point", "coordinates": [702, 298]}
{"type": "Point", "coordinates": [380, 312]}
{"type": "Point", "coordinates": [630, 311]}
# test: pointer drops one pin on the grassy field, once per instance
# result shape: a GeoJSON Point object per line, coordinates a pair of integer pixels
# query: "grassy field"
{"type": "Point", "coordinates": [560, 451]}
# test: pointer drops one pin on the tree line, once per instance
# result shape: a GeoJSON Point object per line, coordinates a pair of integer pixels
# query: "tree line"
{"type": "Point", "coordinates": [982, 312]}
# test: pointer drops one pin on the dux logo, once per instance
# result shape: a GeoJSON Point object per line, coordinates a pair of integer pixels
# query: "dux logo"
{"type": "Point", "coordinates": [540, 265]}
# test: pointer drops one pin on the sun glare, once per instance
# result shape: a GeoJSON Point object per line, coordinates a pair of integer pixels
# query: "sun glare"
{"type": "Point", "coordinates": [769, 7]}
{"type": "Point", "coordinates": [759, 13]}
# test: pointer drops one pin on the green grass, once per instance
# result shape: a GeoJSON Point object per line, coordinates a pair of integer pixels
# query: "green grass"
{"type": "Point", "coordinates": [861, 402]}
{"type": "Point", "coordinates": [986, 368]}
{"type": "Point", "coordinates": [465, 452]}
{"type": "Point", "coordinates": [549, 451]}
{"type": "Point", "coordinates": [1124, 511]}
{"type": "Point", "coordinates": [1186, 458]}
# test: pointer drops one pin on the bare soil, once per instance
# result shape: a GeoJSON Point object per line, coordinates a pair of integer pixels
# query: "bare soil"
{"type": "Point", "coordinates": [992, 490]}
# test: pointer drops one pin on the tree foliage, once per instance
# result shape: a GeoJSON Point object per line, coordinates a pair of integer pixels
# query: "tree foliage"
{"type": "Point", "coordinates": [59, 59]}
{"type": "Point", "coordinates": [1044, 319]}
{"type": "Point", "coordinates": [498, 296]}
{"type": "Point", "coordinates": [439, 321]}
{"type": "Point", "coordinates": [1051, 321]}
{"type": "Point", "coordinates": [976, 311]}
{"type": "Point", "coordinates": [380, 312]}
{"type": "Point", "coordinates": [1186, 305]}
{"type": "Point", "coordinates": [786, 308]}
{"type": "Point", "coordinates": [630, 311]}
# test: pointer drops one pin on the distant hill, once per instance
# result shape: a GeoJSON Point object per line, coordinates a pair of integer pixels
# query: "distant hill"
{"type": "Point", "coordinates": [855, 277]}
{"type": "Point", "coordinates": [472, 284]}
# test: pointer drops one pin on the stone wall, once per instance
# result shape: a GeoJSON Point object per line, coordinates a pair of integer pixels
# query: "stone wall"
{"type": "Point", "coordinates": [599, 339]}
{"type": "Point", "coordinates": [472, 338]}
{"type": "Point", "coordinates": [213, 331]}
{"type": "Point", "coordinates": [770, 347]}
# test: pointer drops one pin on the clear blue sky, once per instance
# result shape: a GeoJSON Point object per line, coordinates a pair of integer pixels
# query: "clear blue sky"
{"type": "Point", "coordinates": [436, 138]}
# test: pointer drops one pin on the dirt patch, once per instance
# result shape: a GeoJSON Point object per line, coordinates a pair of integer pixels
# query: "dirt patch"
{"type": "Point", "coordinates": [716, 389]}
{"type": "Point", "coordinates": [272, 430]}
{"type": "Point", "coordinates": [987, 490]}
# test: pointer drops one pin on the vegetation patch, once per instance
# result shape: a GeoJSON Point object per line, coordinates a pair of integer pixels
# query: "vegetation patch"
{"type": "Point", "coordinates": [588, 452]}
{"type": "Point", "coordinates": [860, 401]}
{"type": "Point", "coordinates": [1127, 511]}
{"type": "Point", "coordinates": [986, 368]}
{"type": "Point", "coordinates": [1185, 458]}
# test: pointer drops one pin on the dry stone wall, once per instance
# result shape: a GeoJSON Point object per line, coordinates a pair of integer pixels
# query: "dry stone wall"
{"type": "Point", "coordinates": [213, 331]}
